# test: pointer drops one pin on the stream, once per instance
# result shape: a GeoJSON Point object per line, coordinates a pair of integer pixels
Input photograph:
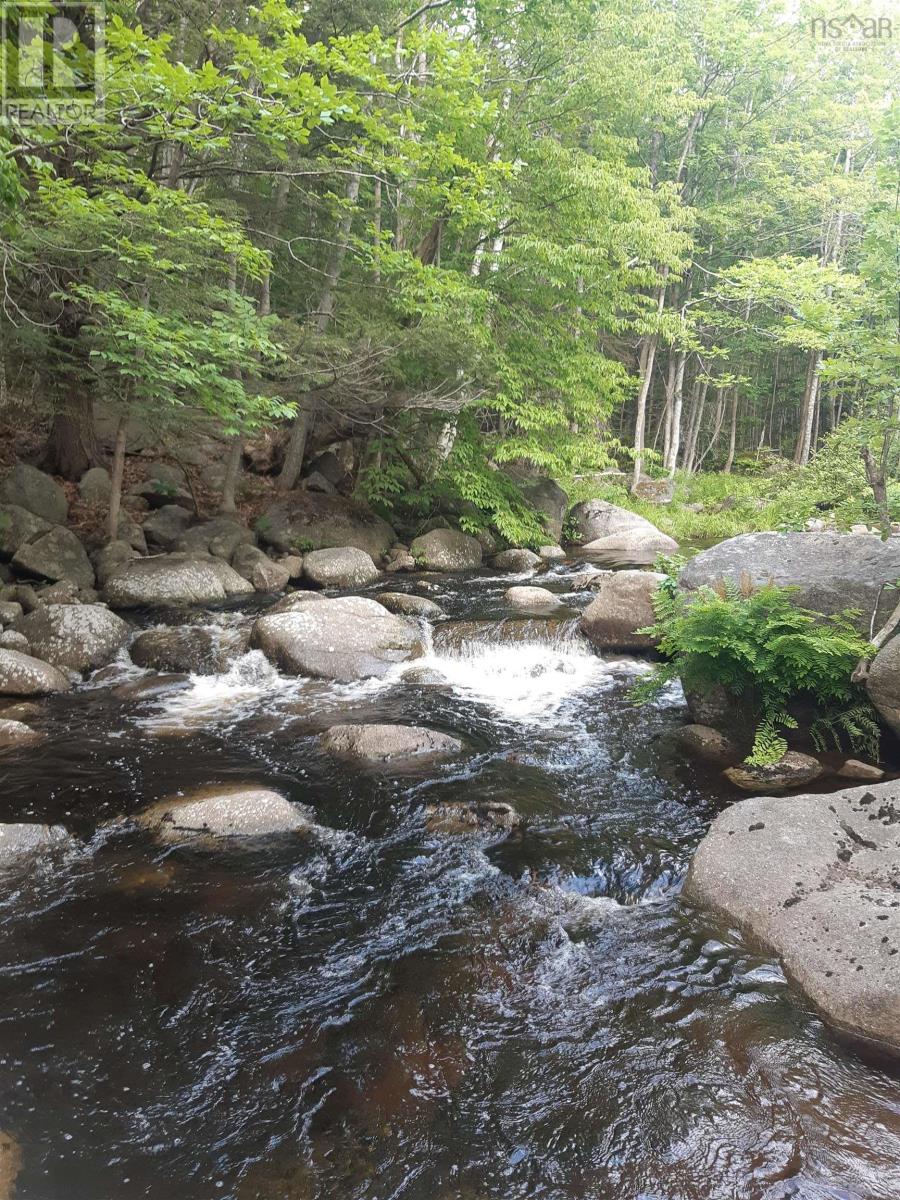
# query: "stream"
{"type": "Point", "coordinates": [383, 1012]}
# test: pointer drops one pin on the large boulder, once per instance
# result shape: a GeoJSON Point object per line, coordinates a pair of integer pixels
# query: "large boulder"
{"type": "Point", "coordinates": [311, 521]}
{"type": "Point", "coordinates": [220, 537]}
{"type": "Point", "coordinates": [109, 558]}
{"type": "Point", "coordinates": [347, 638]}
{"type": "Point", "coordinates": [170, 579]}
{"type": "Point", "coordinates": [388, 743]}
{"type": "Point", "coordinates": [832, 571]}
{"type": "Point", "coordinates": [543, 494]}
{"type": "Point", "coordinates": [17, 733]}
{"type": "Point", "coordinates": [190, 648]}
{"type": "Point", "coordinates": [883, 683]}
{"type": "Point", "coordinates": [57, 554]}
{"type": "Point", "coordinates": [446, 550]}
{"type": "Point", "coordinates": [166, 525]}
{"type": "Point", "coordinates": [39, 493]}
{"type": "Point", "coordinates": [594, 519]}
{"type": "Point", "coordinates": [815, 881]}
{"type": "Point", "coordinates": [257, 568]}
{"type": "Point", "coordinates": [23, 675]}
{"type": "Point", "coordinates": [340, 567]}
{"type": "Point", "coordinates": [78, 637]}
{"type": "Point", "coordinates": [238, 810]}
{"type": "Point", "coordinates": [18, 525]}
{"type": "Point", "coordinates": [623, 605]}
{"type": "Point", "coordinates": [632, 548]}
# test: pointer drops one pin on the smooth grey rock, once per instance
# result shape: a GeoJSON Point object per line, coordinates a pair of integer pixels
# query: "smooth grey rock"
{"type": "Point", "coordinates": [188, 648]}
{"type": "Point", "coordinates": [623, 605]}
{"type": "Point", "coordinates": [532, 600]}
{"type": "Point", "coordinates": [18, 525]}
{"type": "Point", "coordinates": [883, 683]}
{"type": "Point", "coordinates": [853, 768]}
{"type": "Point", "coordinates": [516, 561]}
{"type": "Point", "coordinates": [594, 519]}
{"type": "Point", "coordinates": [633, 548]}
{"type": "Point", "coordinates": [219, 537]}
{"type": "Point", "coordinates": [311, 521]}
{"type": "Point", "coordinates": [388, 743]}
{"type": "Point", "coordinates": [95, 486]}
{"type": "Point", "coordinates": [791, 771]}
{"type": "Point", "coordinates": [16, 733]}
{"type": "Point", "coordinates": [10, 640]}
{"type": "Point", "coordinates": [39, 493]}
{"type": "Point", "coordinates": [543, 494]}
{"type": "Point", "coordinates": [165, 526]}
{"type": "Point", "coordinates": [344, 639]}
{"type": "Point", "coordinates": [77, 637]}
{"type": "Point", "coordinates": [24, 675]}
{"type": "Point", "coordinates": [446, 550]}
{"type": "Point", "coordinates": [490, 816]}
{"type": "Point", "coordinates": [21, 839]}
{"type": "Point", "coordinates": [168, 579]}
{"type": "Point", "coordinates": [56, 555]}
{"type": "Point", "coordinates": [702, 741]}
{"type": "Point", "coordinates": [294, 600]}
{"type": "Point", "coordinates": [424, 677]}
{"type": "Point", "coordinates": [258, 569]}
{"type": "Point", "coordinates": [340, 567]}
{"type": "Point", "coordinates": [832, 571]}
{"type": "Point", "coordinates": [551, 554]}
{"type": "Point", "coordinates": [400, 562]}
{"type": "Point", "coordinates": [815, 879]}
{"type": "Point", "coordinates": [409, 606]}
{"type": "Point", "coordinates": [240, 810]}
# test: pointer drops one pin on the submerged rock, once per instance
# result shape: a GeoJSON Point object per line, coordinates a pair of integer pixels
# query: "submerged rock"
{"type": "Point", "coordinates": [240, 810]}
{"type": "Point", "coordinates": [488, 816]}
{"type": "Point", "coordinates": [20, 839]}
{"type": "Point", "coordinates": [446, 550]}
{"type": "Point", "coordinates": [409, 606]}
{"type": "Point", "coordinates": [814, 880]}
{"type": "Point", "coordinates": [424, 677]}
{"type": "Point", "coordinates": [791, 771]}
{"type": "Point", "coordinates": [623, 605]}
{"type": "Point", "coordinates": [388, 743]}
{"type": "Point", "coordinates": [74, 636]}
{"type": "Point", "coordinates": [832, 571]}
{"type": "Point", "coordinates": [23, 675]}
{"type": "Point", "coordinates": [15, 733]}
{"type": "Point", "coordinates": [340, 567]}
{"type": "Point", "coordinates": [344, 639]}
{"type": "Point", "coordinates": [516, 561]}
{"type": "Point", "coordinates": [702, 741]}
{"type": "Point", "coordinates": [535, 600]}
{"type": "Point", "coordinates": [172, 579]}
{"type": "Point", "coordinates": [39, 493]}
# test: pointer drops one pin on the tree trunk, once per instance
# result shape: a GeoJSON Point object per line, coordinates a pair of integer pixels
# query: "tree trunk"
{"type": "Point", "coordinates": [808, 409]}
{"type": "Point", "coordinates": [677, 406]}
{"type": "Point", "coordinates": [72, 443]}
{"type": "Point", "coordinates": [877, 479]}
{"type": "Point", "coordinates": [647, 355]}
{"type": "Point", "coordinates": [116, 476]}
{"type": "Point", "coordinates": [732, 441]}
{"type": "Point", "coordinates": [236, 447]}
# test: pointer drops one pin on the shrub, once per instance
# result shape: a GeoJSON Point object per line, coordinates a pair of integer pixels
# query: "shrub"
{"type": "Point", "coordinates": [768, 653]}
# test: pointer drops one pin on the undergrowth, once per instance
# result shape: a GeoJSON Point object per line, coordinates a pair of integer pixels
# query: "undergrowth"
{"type": "Point", "coordinates": [768, 653]}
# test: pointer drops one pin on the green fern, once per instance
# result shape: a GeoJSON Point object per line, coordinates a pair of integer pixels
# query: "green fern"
{"type": "Point", "coordinates": [766, 652]}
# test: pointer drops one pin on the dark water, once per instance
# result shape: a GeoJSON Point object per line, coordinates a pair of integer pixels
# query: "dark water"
{"type": "Point", "coordinates": [379, 1012]}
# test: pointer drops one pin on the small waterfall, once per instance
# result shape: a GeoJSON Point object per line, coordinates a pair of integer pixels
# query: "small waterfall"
{"type": "Point", "coordinates": [526, 669]}
{"type": "Point", "coordinates": [214, 699]}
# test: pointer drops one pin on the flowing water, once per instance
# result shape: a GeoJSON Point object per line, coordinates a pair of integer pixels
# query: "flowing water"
{"type": "Point", "coordinates": [382, 1012]}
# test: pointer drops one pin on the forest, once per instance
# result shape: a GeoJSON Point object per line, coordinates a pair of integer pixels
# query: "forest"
{"type": "Point", "coordinates": [652, 239]}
